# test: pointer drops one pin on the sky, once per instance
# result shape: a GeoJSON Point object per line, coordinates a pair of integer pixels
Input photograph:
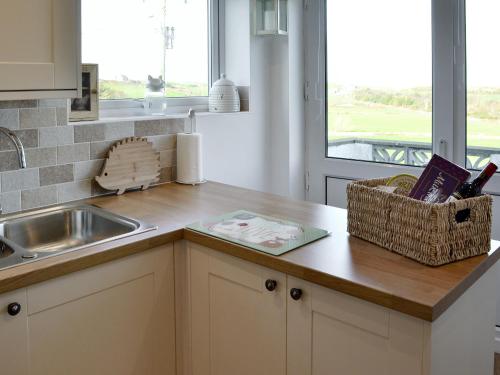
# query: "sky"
{"type": "Point", "coordinates": [124, 38]}
{"type": "Point", "coordinates": [483, 51]}
{"type": "Point", "coordinates": [387, 44]}
{"type": "Point", "coordinates": [381, 44]}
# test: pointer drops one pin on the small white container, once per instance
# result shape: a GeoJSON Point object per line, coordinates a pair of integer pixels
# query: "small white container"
{"type": "Point", "coordinates": [155, 103]}
{"type": "Point", "coordinates": [224, 96]}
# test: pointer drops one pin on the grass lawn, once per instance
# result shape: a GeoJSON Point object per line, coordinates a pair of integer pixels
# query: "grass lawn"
{"type": "Point", "coordinates": [370, 114]}
{"type": "Point", "coordinates": [135, 90]}
{"type": "Point", "coordinates": [385, 122]}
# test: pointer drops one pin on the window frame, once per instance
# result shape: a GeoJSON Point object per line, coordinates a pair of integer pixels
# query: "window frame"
{"type": "Point", "coordinates": [135, 107]}
{"type": "Point", "coordinates": [449, 97]}
{"type": "Point", "coordinates": [460, 93]}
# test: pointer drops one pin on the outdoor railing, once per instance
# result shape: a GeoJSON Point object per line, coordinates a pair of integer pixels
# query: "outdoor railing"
{"type": "Point", "coordinates": [409, 153]}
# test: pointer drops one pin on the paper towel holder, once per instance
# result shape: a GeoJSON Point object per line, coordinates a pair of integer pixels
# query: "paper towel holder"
{"type": "Point", "coordinates": [191, 115]}
{"type": "Point", "coordinates": [192, 118]}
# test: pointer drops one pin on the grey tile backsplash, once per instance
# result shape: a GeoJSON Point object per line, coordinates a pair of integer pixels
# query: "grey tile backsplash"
{"type": "Point", "coordinates": [63, 158]}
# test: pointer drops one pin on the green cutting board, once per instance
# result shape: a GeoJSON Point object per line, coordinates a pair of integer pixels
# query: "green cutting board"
{"type": "Point", "coordinates": [263, 233]}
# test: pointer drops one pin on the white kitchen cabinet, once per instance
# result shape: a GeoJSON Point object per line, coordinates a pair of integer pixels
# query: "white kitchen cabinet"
{"type": "Point", "coordinates": [40, 53]}
{"type": "Point", "coordinates": [115, 318]}
{"type": "Point", "coordinates": [238, 326]}
{"type": "Point", "coordinates": [13, 333]}
{"type": "Point", "coordinates": [228, 323]}
{"type": "Point", "coordinates": [333, 333]}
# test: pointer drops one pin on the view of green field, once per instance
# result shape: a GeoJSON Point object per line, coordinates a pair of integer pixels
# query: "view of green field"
{"type": "Point", "coordinates": [109, 89]}
{"type": "Point", "coordinates": [406, 115]}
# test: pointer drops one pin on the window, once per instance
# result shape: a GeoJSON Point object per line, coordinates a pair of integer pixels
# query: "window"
{"type": "Point", "coordinates": [379, 80]}
{"type": "Point", "coordinates": [383, 65]}
{"type": "Point", "coordinates": [389, 82]}
{"type": "Point", "coordinates": [134, 39]}
{"type": "Point", "coordinates": [483, 82]}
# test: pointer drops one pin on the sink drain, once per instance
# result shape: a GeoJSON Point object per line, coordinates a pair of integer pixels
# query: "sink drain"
{"type": "Point", "coordinates": [29, 256]}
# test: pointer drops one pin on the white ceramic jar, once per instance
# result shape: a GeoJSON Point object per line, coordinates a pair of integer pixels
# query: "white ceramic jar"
{"type": "Point", "coordinates": [224, 96]}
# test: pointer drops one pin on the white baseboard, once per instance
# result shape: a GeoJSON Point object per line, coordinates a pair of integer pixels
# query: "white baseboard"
{"type": "Point", "coordinates": [497, 339]}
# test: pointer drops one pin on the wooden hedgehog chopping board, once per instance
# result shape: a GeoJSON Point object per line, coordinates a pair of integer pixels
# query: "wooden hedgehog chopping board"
{"type": "Point", "coordinates": [131, 163]}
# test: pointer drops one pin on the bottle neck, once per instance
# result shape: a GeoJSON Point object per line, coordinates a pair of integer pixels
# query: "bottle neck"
{"type": "Point", "coordinates": [484, 176]}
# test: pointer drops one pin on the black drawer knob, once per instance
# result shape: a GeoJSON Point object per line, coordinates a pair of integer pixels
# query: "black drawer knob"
{"type": "Point", "coordinates": [295, 293]}
{"type": "Point", "coordinates": [271, 284]}
{"type": "Point", "coordinates": [13, 308]}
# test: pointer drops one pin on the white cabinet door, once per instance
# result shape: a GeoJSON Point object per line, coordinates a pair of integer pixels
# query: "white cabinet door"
{"type": "Point", "coordinates": [330, 333]}
{"type": "Point", "coordinates": [13, 334]}
{"type": "Point", "coordinates": [116, 318]}
{"type": "Point", "coordinates": [238, 326]}
{"type": "Point", "coordinates": [40, 47]}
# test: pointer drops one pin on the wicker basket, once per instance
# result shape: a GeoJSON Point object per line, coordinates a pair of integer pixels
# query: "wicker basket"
{"type": "Point", "coordinates": [426, 232]}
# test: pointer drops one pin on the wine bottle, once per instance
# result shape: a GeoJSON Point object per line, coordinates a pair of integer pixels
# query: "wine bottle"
{"type": "Point", "coordinates": [474, 188]}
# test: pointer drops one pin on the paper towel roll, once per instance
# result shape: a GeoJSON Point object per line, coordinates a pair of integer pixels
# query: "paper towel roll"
{"type": "Point", "coordinates": [189, 158]}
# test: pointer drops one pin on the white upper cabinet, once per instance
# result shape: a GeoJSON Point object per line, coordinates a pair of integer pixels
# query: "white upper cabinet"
{"type": "Point", "coordinates": [40, 46]}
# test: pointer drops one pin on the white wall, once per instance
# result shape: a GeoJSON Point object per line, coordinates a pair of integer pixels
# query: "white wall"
{"type": "Point", "coordinates": [279, 115]}
{"type": "Point", "coordinates": [287, 111]}
{"type": "Point", "coordinates": [236, 148]}
{"type": "Point", "coordinates": [296, 105]}
{"type": "Point", "coordinates": [262, 149]}
{"type": "Point", "coordinates": [237, 40]}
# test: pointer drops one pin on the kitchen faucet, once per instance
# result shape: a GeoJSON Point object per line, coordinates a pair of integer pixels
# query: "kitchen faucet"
{"type": "Point", "coordinates": [19, 147]}
{"type": "Point", "coordinates": [17, 142]}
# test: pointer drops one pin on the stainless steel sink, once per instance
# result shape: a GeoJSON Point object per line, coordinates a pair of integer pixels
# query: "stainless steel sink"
{"type": "Point", "coordinates": [38, 234]}
{"type": "Point", "coordinates": [5, 250]}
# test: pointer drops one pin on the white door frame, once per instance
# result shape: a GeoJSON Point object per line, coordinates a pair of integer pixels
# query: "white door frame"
{"type": "Point", "coordinates": [449, 100]}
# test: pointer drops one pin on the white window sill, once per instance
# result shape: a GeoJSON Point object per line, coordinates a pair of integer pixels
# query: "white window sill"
{"type": "Point", "coordinates": [132, 110]}
{"type": "Point", "coordinates": [143, 117]}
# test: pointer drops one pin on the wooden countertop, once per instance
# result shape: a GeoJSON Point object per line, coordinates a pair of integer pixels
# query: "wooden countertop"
{"type": "Point", "coordinates": [340, 261]}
